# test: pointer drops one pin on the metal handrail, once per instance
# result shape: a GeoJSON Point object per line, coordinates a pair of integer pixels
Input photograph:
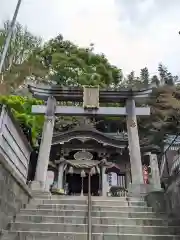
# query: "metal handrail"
{"type": "Point", "coordinates": [175, 164]}
{"type": "Point", "coordinates": [89, 230]}
{"type": "Point", "coordinates": [171, 144]}
{"type": "Point", "coordinates": [162, 156]}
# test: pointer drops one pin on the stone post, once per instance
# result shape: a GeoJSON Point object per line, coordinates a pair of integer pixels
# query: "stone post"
{"type": "Point", "coordinates": [155, 175]}
{"type": "Point", "coordinates": [49, 180]}
{"type": "Point", "coordinates": [104, 181]}
{"type": "Point", "coordinates": [134, 146]}
{"type": "Point", "coordinates": [45, 147]}
{"type": "Point", "coordinates": [128, 177]}
{"type": "Point", "coordinates": [60, 176]}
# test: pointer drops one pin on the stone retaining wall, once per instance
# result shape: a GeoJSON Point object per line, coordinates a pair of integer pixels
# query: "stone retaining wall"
{"type": "Point", "coordinates": [172, 197]}
{"type": "Point", "coordinates": [166, 201]}
{"type": "Point", "coordinates": [13, 193]}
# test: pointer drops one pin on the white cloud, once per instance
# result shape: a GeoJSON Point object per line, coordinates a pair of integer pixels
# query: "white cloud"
{"type": "Point", "coordinates": [132, 33]}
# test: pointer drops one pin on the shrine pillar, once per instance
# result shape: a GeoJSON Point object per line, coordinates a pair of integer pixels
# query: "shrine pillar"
{"type": "Point", "coordinates": [104, 181]}
{"type": "Point", "coordinates": [60, 176]}
{"type": "Point", "coordinates": [128, 177]}
{"type": "Point", "coordinates": [134, 146]}
{"type": "Point", "coordinates": [155, 174]}
{"type": "Point", "coordinates": [43, 158]}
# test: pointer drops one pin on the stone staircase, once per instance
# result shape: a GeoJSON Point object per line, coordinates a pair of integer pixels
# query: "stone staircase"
{"type": "Point", "coordinates": [61, 218]}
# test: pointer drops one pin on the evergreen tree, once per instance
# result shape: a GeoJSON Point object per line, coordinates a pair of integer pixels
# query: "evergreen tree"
{"type": "Point", "coordinates": [144, 76]}
{"type": "Point", "coordinates": [166, 78]}
{"type": "Point", "coordinates": [162, 73]}
{"type": "Point", "coordinates": [169, 80]}
{"type": "Point", "coordinates": [155, 80]}
{"type": "Point", "coordinates": [131, 78]}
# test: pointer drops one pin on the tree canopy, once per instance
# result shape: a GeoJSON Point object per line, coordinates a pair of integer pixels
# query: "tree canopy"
{"type": "Point", "coordinates": [22, 61]}
{"type": "Point", "coordinates": [21, 109]}
{"type": "Point", "coordinates": [71, 65]}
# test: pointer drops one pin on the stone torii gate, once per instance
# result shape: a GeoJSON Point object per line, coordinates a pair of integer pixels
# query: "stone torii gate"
{"type": "Point", "coordinates": [90, 97]}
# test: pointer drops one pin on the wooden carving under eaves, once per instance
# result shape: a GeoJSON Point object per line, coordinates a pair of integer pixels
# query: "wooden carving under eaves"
{"type": "Point", "coordinates": [85, 123]}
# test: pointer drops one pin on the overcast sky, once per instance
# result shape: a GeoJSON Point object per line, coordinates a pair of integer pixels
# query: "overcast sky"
{"type": "Point", "coordinates": [132, 33]}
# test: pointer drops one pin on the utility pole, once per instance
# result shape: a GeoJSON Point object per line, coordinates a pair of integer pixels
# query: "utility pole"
{"type": "Point", "coordinates": [8, 38]}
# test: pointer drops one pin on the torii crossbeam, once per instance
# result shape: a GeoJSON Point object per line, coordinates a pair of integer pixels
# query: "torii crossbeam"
{"type": "Point", "coordinates": [80, 111]}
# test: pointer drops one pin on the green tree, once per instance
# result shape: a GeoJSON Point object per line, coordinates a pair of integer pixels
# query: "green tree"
{"type": "Point", "coordinates": [162, 73]}
{"type": "Point", "coordinates": [22, 45]}
{"type": "Point", "coordinates": [155, 80]}
{"type": "Point", "coordinates": [22, 61]}
{"type": "Point", "coordinates": [166, 78]}
{"type": "Point", "coordinates": [133, 82]}
{"type": "Point", "coordinates": [71, 65]}
{"type": "Point", "coordinates": [21, 109]}
{"type": "Point", "coordinates": [144, 76]}
{"type": "Point", "coordinates": [169, 79]}
{"type": "Point", "coordinates": [131, 78]}
{"type": "Point", "coordinates": [165, 106]}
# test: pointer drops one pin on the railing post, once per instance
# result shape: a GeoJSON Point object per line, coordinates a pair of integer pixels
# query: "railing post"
{"type": "Point", "coordinates": [2, 114]}
{"type": "Point", "coordinates": [167, 165]}
{"type": "Point", "coordinates": [89, 206]}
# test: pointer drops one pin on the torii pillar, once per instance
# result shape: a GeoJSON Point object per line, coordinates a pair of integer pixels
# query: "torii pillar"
{"type": "Point", "coordinates": [137, 187]}
{"type": "Point", "coordinates": [134, 146]}
{"type": "Point", "coordinates": [39, 182]}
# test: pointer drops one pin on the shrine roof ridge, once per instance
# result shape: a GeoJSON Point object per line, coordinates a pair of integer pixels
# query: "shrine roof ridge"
{"type": "Point", "coordinates": [62, 93]}
{"type": "Point", "coordinates": [99, 136]}
{"type": "Point", "coordinates": [88, 133]}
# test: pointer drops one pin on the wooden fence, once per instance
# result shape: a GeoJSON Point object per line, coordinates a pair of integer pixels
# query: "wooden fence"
{"type": "Point", "coordinates": [13, 144]}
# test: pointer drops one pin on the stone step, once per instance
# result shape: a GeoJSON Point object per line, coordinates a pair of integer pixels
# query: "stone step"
{"type": "Point", "coordinates": [33, 235]}
{"type": "Point", "coordinates": [94, 208]}
{"type": "Point", "coordinates": [126, 214]}
{"type": "Point", "coordinates": [97, 220]}
{"type": "Point", "coordinates": [84, 198]}
{"type": "Point", "coordinates": [84, 202]}
{"type": "Point", "coordinates": [128, 229]}
{"type": "Point", "coordinates": [39, 195]}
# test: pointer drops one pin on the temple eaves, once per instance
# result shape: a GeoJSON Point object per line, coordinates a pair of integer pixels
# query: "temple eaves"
{"type": "Point", "coordinates": [105, 139]}
{"type": "Point", "coordinates": [91, 134]}
{"type": "Point", "coordinates": [76, 94]}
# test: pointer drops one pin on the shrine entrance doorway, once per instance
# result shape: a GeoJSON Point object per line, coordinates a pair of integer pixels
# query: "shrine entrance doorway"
{"type": "Point", "coordinates": [94, 185]}
{"type": "Point", "coordinates": [76, 184]}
